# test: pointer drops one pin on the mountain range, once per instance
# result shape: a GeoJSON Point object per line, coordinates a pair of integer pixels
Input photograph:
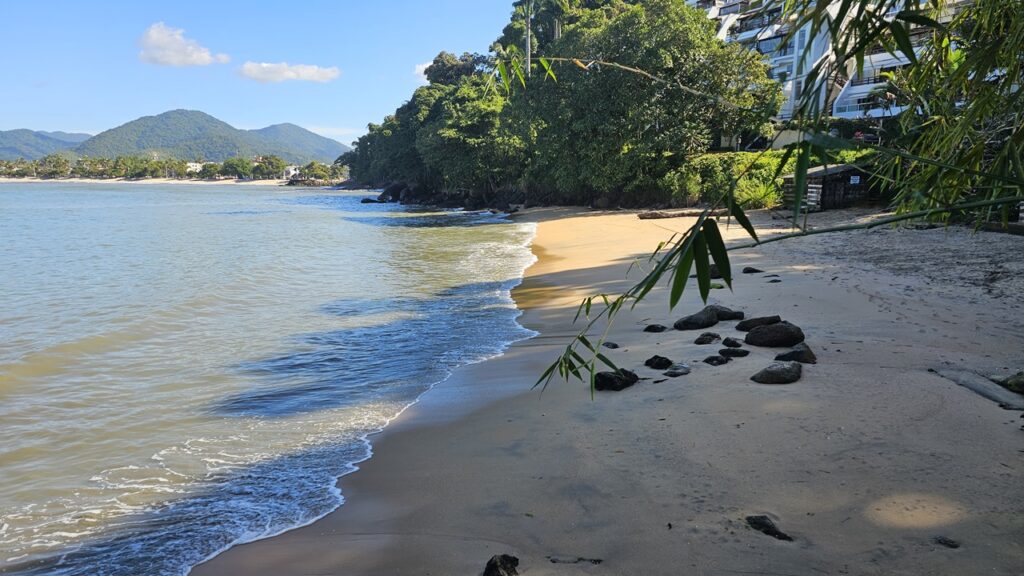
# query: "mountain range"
{"type": "Point", "coordinates": [183, 134]}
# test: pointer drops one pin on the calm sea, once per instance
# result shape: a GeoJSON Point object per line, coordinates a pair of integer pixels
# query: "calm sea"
{"type": "Point", "coordinates": [187, 367]}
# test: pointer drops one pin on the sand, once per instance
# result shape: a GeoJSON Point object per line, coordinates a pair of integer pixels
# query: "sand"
{"type": "Point", "coordinates": [865, 461]}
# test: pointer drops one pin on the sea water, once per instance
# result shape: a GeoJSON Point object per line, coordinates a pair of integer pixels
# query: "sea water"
{"type": "Point", "coordinates": [187, 367]}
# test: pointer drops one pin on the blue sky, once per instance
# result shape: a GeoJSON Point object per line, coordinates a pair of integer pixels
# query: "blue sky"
{"type": "Point", "coordinates": [89, 66]}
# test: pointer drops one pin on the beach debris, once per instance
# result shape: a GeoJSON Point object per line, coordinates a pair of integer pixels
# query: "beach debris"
{"type": "Point", "coordinates": [725, 314]}
{"type": "Point", "coordinates": [984, 387]}
{"type": "Point", "coordinates": [751, 270]}
{"type": "Point", "coordinates": [778, 335]}
{"type": "Point", "coordinates": [779, 373]}
{"type": "Point", "coordinates": [751, 323]}
{"type": "Point", "coordinates": [610, 345]}
{"type": "Point", "coordinates": [655, 328]}
{"type": "Point", "coordinates": [765, 525]}
{"type": "Point", "coordinates": [716, 360]}
{"type": "Point", "coordinates": [706, 318]}
{"type": "Point", "coordinates": [658, 362]}
{"type": "Point", "coordinates": [733, 352]}
{"type": "Point", "coordinates": [676, 370]}
{"type": "Point", "coordinates": [615, 381]}
{"type": "Point", "coordinates": [707, 338]}
{"type": "Point", "coordinates": [800, 353]}
{"type": "Point", "coordinates": [502, 565]}
{"type": "Point", "coordinates": [732, 342]}
{"type": "Point", "coordinates": [573, 560]}
{"type": "Point", "coordinates": [947, 542]}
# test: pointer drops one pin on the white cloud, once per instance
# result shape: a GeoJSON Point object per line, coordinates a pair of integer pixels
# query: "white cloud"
{"type": "Point", "coordinates": [421, 71]}
{"type": "Point", "coordinates": [166, 46]}
{"type": "Point", "coordinates": [283, 71]}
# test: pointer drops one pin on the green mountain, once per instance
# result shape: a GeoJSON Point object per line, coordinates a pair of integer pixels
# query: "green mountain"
{"type": "Point", "coordinates": [190, 135]}
{"type": "Point", "coordinates": [73, 137]}
{"type": "Point", "coordinates": [32, 145]}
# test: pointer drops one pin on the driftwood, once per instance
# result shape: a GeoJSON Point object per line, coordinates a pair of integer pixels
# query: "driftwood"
{"type": "Point", "coordinates": [689, 213]}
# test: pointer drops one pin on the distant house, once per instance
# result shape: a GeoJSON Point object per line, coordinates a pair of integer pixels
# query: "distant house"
{"type": "Point", "coordinates": [193, 167]}
{"type": "Point", "coordinates": [291, 172]}
{"type": "Point", "coordinates": [829, 187]}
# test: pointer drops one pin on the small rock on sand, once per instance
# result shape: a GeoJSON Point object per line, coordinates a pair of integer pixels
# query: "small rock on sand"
{"type": "Point", "coordinates": [502, 565]}
{"type": "Point", "coordinates": [614, 381]}
{"type": "Point", "coordinates": [706, 318]}
{"type": "Point", "coordinates": [751, 270]}
{"type": "Point", "coordinates": [947, 542]}
{"type": "Point", "coordinates": [658, 362]}
{"type": "Point", "coordinates": [765, 525]}
{"type": "Point", "coordinates": [779, 373]}
{"type": "Point", "coordinates": [707, 338]}
{"type": "Point", "coordinates": [774, 281]}
{"type": "Point", "coordinates": [677, 370]}
{"type": "Point", "coordinates": [716, 360]}
{"type": "Point", "coordinates": [733, 352]}
{"type": "Point", "coordinates": [732, 343]}
{"type": "Point", "coordinates": [751, 323]}
{"type": "Point", "coordinates": [610, 345]}
{"type": "Point", "coordinates": [800, 353]}
{"type": "Point", "coordinates": [778, 335]}
{"type": "Point", "coordinates": [655, 328]}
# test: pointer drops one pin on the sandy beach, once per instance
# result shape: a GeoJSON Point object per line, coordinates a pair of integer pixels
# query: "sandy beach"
{"type": "Point", "coordinates": [872, 462]}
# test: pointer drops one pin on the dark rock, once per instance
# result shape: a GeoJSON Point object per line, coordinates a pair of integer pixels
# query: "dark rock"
{"type": "Point", "coordinates": [677, 370]}
{"type": "Point", "coordinates": [502, 565]}
{"type": "Point", "coordinates": [778, 335]}
{"type": "Point", "coordinates": [779, 373]}
{"type": "Point", "coordinates": [392, 192]}
{"type": "Point", "coordinates": [658, 363]}
{"type": "Point", "coordinates": [765, 525]}
{"type": "Point", "coordinates": [369, 201]}
{"type": "Point", "coordinates": [706, 318]}
{"type": "Point", "coordinates": [716, 360]}
{"type": "Point", "coordinates": [800, 353]}
{"type": "Point", "coordinates": [733, 352]}
{"type": "Point", "coordinates": [774, 281]}
{"type": "Point", "coordinates": [750, 323]}
{"type": "Point", "coordinates": [725, 314]}
{"type": "Point", "coordinates": [732, 342]}
{"type": "Point", "coordinates": [573, 560]}
{"type": "Point", "coordinates": [1014, 383]}
{"type": "Point", "coordinates": [770, 276]}
{"type": "Point", "coordinates": [707, 338]}
{"type": "Point", "coordinates": [610, 345]}
{"type": "Point", "coordinates": [655, 328]}
{"type": "Point", "coordinates": [947, 542]}
{"type": "Point", "coordinates": [615, 381]}
{"type": "Point", "coordinates": [752, 270]}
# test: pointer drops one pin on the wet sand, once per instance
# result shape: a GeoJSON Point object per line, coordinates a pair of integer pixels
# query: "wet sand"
{"type": "Point", "coordinates": [865, 461]}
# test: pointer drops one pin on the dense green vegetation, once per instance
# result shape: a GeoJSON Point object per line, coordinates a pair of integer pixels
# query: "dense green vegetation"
{"type": "Point", "coordinates": [192, 135]}
{"type": "Point", "coordinates": [602, 136]}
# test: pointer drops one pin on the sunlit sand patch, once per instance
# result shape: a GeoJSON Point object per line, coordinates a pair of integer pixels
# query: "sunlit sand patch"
{"type": "Point", "coordinates": [914, 510]}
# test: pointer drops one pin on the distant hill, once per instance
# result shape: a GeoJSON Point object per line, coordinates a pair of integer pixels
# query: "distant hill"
{"type": "Point", "coordinates": [32, 145]}
{"type": "Point", "coordinates": [190, 134]}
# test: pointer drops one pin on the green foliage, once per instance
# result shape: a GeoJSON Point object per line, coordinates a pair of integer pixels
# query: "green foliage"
{"type": "Point", "coordinates": [449, 69]}
{"type": "Point", "coordinates": [268, 168]}
{"type": "Point", "coordinates": [53, 166]}
{"type": "Point", "coordinates": [209, 171]}
{"type": "Point", "coordinates": [236, 168]}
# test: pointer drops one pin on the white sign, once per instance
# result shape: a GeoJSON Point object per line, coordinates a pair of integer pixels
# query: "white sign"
{"type": "Point", "coordinates": [854, 179]}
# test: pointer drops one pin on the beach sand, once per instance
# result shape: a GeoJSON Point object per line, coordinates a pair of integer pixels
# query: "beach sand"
{"type": "Point", "coordinates": [865, 461]}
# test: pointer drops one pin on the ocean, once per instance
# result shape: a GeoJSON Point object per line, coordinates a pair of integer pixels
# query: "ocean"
{"type": "Point", "coordinates": [188, 367]}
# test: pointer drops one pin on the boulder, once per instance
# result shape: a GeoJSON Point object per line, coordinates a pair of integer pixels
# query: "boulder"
{"type": "Point", "coordinates": [610, 345]}
{"type": "Point", "coordinates": [732, 342]}
{"type": "Point", "coordinates": [707, 338]}
{"type": "Point", "coordinates": [765, 525]}
{"type": "Point", "coordinates": [658, 362]}
{"type": "Point", "coordinates": [614, 381]}
{"type": "Point", "coordinates": [778, 335]}
{"type": "Point", "coordinates": [752, 270]}
{"type": "Point", "coordinates": [725, 314]}
{"type": "Point", "coordinates": [655, 328]}
{"type": "Point", "coordinates": [779, 373]}
{"type": "Point", "coordinates": [676, 370]}
{"type": "Point", "coordinates": [716, 360]}
{"type": "Point", "coordinates": [733, 352]}
{"type": "Point", "coordinates": [750, 323]}
{"type": "Point", "coordinates": [706, 318]}
{"type": "Point", "coordinates": [502, 565]}
{"type": "Point", "coordinates": [800, 353]}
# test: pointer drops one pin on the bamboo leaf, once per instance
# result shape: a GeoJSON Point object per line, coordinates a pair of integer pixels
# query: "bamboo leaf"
{"type": "Point", "coordinates": [549, 72]}
{"type": "Point", "coordinates": [681, 276]}
{"type": "Point", "coordinates": [920, 19]}
{"type": "Point", "coordinates": [604, 360]}
{"type": "Point", "coordinates": [700, 258]}
{"type": "Point", "coordinates": [899, 34]}
{"type": "Point", "coordinates": [716, 246]}
{"type": "Point", "coordinates": [505, 80]}
{"type": "Point", "coordinates": [741, 217]}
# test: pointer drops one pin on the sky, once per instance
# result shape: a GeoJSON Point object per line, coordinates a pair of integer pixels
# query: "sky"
{"type": "Point", "coordinates": [330, 67]}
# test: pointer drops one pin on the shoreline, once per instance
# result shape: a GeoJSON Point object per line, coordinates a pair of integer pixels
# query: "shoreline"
{"type": "Point", "coordinates": [147, 181]}
{"type": "Point", "coordinates": [865, 461]}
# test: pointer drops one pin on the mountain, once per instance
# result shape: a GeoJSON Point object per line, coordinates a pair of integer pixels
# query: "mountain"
{"type": "Point", "coordinates": [32, 145]}
{"type": "Point", "coordinates": [190, 135]}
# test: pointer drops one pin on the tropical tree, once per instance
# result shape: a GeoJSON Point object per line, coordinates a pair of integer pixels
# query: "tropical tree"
{"type": "Point", "coordinates": [53, 166]}
{"type": "Point", "coordinates": [236, 167]}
